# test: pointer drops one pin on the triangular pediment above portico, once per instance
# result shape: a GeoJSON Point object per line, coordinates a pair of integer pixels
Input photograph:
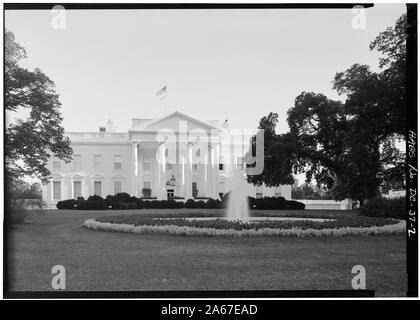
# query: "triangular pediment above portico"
{"type": "Point", "coordinates": [175, 121]}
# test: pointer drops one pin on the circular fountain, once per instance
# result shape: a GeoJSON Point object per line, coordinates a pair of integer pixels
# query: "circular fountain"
{"type": "Point", "coordinates": [238, 223]}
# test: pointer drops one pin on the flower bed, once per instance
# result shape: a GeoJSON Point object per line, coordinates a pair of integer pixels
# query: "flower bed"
{"type": "Point", "coordinates": [339, 227]}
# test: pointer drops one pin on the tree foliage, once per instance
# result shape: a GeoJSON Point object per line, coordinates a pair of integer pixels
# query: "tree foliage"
{"type": "Point", "coordinates": [277, 164]}
{"type": "Point", "coordinates": [30, 142]}
{"type": "Point", "coordinates": [349, 147]}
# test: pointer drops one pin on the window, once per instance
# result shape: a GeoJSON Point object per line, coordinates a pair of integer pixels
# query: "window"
{"type": "Point", "coordinates": [56, 163]}
{"type": "Point", "coordinates": [117, 162]}
{"type": "Point", "coordinates": [220, 166]}
{"type": "Point", "coordinates": [77, 162]}
{"type": "Point", "coordinates": [56, 190]}
{"type": "Point", "coordinates": [147, 189]}
{"type": "Point", "coordinates": [194, 190]}
{"type": "Point", "coordinates": [169, 166]}
{"type": "Point", "coordinates": [147, 164]}
{"type": "Point", "coordinates": [97, 161]}
{"type": "Point", "coordinates": [77, 189]}
{"type": "Point", "coordinates": [117, 186]}
{"type": "Point", "coordinates": [97, 188]}
{"type": "Point", "coordinates": [195, 167]}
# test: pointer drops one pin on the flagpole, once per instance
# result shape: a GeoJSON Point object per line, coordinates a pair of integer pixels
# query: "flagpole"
{"type": "Point", "coordinates": [166, 99]}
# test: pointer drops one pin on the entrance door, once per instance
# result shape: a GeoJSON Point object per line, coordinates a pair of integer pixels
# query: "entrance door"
{"type": "Point", "coordinates": [170, 193]}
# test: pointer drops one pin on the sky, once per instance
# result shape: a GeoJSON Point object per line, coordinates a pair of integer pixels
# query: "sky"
{"type": "Point", "coordinates": [217, 64]}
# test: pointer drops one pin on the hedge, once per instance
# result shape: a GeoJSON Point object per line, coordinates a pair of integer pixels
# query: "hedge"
{"type": "Point", "coordinates": [123, 201]}
{"type": "Point", "coordinates": [383, 207]}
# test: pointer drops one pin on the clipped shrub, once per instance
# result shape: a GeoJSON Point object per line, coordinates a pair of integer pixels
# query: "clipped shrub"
{"type": "Point", "coordinates": [295, 205]}
{"type": "Point", "coordinates": [139, 203]}
{"type": "Point", "coordinates": [93, 205]}
{"type": "Point", "coordinates": [271, 203]}
{"type": "Point", "coordinates": [267, 203]}
{"type": "Point", "coordinates": [175, 204]}
{"type": "Point", "coordinates": [149, 198]}
{"type": "Point", "coordinates": [213, 204]}
{"type": "Point", "coordinates": [383, 207]}
{"type": "Point", "coordinates": [95, 198]}
{"type": "Point", "coordinates": [109, 200]}
{"type": "Point", "coordinates": [124, 201]}
{"type": "Point", "coordinates": [200, 205]}
{"type": "Point", "coordinates": [251, 203]}
{"type": "Point", "coordinates": [122, 197]}
{"type": "Point", "coordinates": [190, 203]}
{"type": "Point", "coordinates": [127, 205]}
{"type": "Point", "coordinates": [69, 204]}
{"type": "Point", "coordinates": [153, 204]}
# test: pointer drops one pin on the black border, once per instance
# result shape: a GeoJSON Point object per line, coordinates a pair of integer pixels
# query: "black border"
{"type": "Point", "coordinates": [194, 294]}
{"type": "Point", "coordinates": [412, 183]}
{"type": "Point", "coordinates": [142, 6]}
{"type": "Point", "coordinates": [412, 242]}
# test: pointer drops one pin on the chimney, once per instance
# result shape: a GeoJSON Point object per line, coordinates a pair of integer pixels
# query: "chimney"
{"type": "Point", "coordinates": [109, 126]}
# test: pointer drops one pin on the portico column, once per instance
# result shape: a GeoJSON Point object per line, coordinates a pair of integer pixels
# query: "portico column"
{"type": "Point", "coordinates": [215, 165]}
{"type": "Point", "coordinates": [188, 173]}
{"type": "Point", "coordinates": [134, 162]}
{"type": "Point", "coordinates": [161, 171]}
{"type": "Point", "coordinates": [139, 181]}
{"type": "Point", "coordinates": [210, 173]}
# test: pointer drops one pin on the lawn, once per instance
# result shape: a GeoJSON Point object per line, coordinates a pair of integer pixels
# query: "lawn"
{"type": "Point", "coordinates": [96, 260]}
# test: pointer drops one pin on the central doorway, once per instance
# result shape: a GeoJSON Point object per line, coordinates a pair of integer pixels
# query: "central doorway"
{"type": "Point", "coordinates": [170, 193]}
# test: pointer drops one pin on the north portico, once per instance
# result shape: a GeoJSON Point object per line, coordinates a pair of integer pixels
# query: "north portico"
{"type": "Point", "coordinates": [174, 156]}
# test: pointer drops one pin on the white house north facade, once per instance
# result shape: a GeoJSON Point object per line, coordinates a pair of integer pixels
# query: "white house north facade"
{"type": "Point", "coordinates": [175, 156]}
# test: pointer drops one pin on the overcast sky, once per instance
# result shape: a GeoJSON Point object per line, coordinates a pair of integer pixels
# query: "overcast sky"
{"type": "Point", "coordinates": [218, 64]}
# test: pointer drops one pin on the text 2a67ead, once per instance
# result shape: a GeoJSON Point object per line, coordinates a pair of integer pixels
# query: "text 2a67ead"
{"type": "Point", "coordinates": [231, 309]}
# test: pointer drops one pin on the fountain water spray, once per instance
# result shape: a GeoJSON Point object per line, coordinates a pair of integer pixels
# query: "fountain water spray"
{"type": "Point", "coordinates": [238, 198]}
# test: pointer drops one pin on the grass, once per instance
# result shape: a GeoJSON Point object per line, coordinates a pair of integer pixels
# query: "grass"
{"type": "Point", "coordinates": [97, 260]}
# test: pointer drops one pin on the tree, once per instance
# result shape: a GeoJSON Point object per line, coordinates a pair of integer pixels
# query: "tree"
{"type": "Point", "coordinates": [348, 148]}
{"type": "Point", "coordinates": [277, 165]}
{"type": "Point", "coordinates": [306, 191]}
{"type": "Point", "coordinates": [376, 106]}
{"type": "Point", "coordinates": [318, 126]}
{"type": "Point", "coordinates": [30, 142]}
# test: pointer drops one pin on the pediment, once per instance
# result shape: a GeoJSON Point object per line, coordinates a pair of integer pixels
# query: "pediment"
{"type": "Point", "coordinates": [97, 176]}
{"type": "Point", "coordinates": [175, 122]}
